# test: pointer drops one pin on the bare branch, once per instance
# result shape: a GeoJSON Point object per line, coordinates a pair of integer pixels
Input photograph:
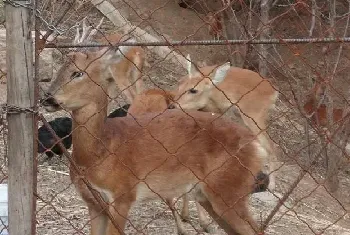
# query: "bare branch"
{"type": "Point", "coordinates": [313, 18]}
{"type": "Point", "coordinates": [118, 20]}
{"type": "Point", "coordinates": [94, 31]}
{"type": "Point", "coordinates": [86, 30]}
{"type": "Point", "coordinates": [332, 15]}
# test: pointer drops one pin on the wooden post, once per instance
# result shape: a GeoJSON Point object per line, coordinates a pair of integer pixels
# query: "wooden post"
{"type": "Point", "coordinates": [20, 101]}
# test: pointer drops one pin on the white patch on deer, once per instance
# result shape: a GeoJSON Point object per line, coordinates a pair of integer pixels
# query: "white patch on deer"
{"type": "Point", "coordinates": [105, 194]}
{"type": "Point", "coordinates": [145, 193]}
{"type": "Point", "coordinates": [262, 154]}
{"type": "Point", "coordinates": [261, 151]}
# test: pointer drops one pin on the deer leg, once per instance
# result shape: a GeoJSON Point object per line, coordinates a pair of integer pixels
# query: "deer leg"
{"type": "Point", "coordinates": [332, 181]}
{"type": "Point", "coordinates": [180, 226]}
{"type": "Point", "coordinates": [203, 220]}
{"type": "Point", "coordinates": [222, 223]}
{"type": "Point", "coordinates": [234, 220]}
{"type": "Point", "coordinates": [119, 211]}
{"type": "Point", "coordinates": [185, 215]}
{"type": "Point", "coordinates": [98, 220]}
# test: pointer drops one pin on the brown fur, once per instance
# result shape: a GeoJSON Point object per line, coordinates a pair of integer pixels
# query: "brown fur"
{"type": "Point", "coordinates": [253, 94]}
{"type": "Point", "coordinates": [127, 73]}
{"type": "Point", "coordinates": [171, 155]}
{"type": "Point", "coordinates": [152, 100]}
{"type": "Point", "coordinates": [156, 101]}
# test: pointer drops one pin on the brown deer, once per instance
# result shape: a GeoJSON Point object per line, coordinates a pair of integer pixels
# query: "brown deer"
{"type": "Point", "coordinates": [127, 73]}
{"type": "Point", "coordinates": [156, 101]}
{"type": "Point", "coordinates": [214, 25]}
{"type": "Point", "coordinates": [173, 154]}
{"type": "Point", "coordinates": [153, 101]}
{"type": "Point", "coordinates": [317, 111]}
{"type": "Point", "coordinates": [124, 72]}
{"type": "Point", "coordinates": [217, 88]}
{"type": "Point", "coordinates": [322, 120]}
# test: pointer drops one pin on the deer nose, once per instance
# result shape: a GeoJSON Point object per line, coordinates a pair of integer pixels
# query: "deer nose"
{"type": "Point", "coordinates": [261, 182]}
{"type": "Point", "coordinates": [171, 106]}
{"type": "Point", "coordinates": [48, 100]}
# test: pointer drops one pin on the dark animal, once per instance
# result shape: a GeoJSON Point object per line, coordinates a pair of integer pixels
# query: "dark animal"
{"type": "Point", "coordinates": [63, 128]}
{"type": "Point", "coordinates": [120, 112]}
{"type": "Point", "coordinates": [47, 143]}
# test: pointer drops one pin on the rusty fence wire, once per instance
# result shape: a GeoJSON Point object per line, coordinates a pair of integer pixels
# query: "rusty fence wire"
{"type": "Point", "coordinates": [91, 168]}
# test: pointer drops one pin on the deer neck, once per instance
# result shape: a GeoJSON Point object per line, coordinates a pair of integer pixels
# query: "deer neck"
{"type": "Point", "coordinates": [217, 102]}
{"type": "Point", "coordinates": [88, 126]}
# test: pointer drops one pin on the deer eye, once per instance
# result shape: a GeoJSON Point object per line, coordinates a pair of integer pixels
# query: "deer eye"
{"type": "Point", "coordinates": [77, 74]}
{"type": "Point", "coordinates": [193, 91]}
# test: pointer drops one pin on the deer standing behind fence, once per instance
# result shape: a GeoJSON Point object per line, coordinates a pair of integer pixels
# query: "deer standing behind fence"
{"type": "Point", "coordinates": [174, 154]}
{"type": "Point", "coordinates": [214, 25]}
{"type": "Point", "coordinates": [156, 101]}
{"type": "Point", "coordinates": [124, 74]}
{"type": "Point", "coordinates": [217, 88]}
{"type": "Point", "coordinates": [325, 119]}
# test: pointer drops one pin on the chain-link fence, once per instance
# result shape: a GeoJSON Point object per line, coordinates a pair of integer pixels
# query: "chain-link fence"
{"type": "Point", "coordinates": [141, 100]}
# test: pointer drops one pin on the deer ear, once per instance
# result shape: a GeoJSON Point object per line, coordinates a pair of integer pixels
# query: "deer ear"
{"type": "Point", "coordinates": [220, 73]}
{"type": "Point", "coordinates": [71, 56]}
{"type": "Point", "coordinates": [191, 69]}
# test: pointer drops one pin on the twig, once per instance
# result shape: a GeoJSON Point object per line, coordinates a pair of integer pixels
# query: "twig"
{"type": "Point", "coordinates": [41, 42]}
{"type": "Point", "coordinates": [58, 172]}
{"type": "Point", "coordinates": [332, 17]}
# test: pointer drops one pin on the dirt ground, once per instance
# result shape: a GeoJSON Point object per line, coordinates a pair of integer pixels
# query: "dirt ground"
{"type": "Point", "coordinates": [310, 209]}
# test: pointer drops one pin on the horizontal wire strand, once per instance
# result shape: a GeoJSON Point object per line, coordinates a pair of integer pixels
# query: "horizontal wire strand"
{"type": "Point", "coordinates": [206, 42]}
